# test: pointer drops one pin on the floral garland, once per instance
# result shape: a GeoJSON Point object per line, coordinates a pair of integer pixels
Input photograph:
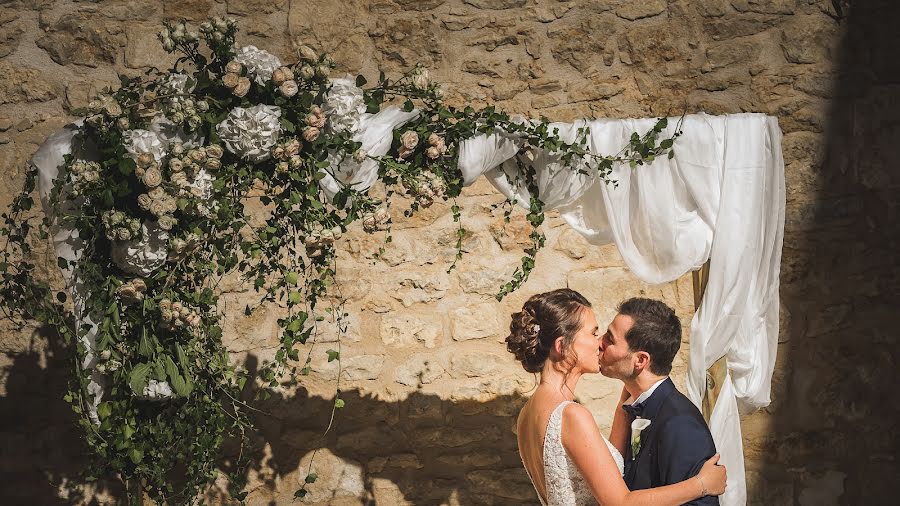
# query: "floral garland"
{"type": "Point", "coordinates": [162, 169]}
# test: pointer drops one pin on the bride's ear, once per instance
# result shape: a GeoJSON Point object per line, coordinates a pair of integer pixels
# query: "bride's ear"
{"type": "Point", "coordinates": [559, 345]}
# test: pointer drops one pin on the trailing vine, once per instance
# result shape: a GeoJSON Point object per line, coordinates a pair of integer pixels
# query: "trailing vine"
{"type": "Point", "coordinates": [161, 183]}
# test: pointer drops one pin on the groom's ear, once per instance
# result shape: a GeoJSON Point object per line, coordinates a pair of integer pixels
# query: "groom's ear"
{"type": "Point", "coordinates": [641, 361]}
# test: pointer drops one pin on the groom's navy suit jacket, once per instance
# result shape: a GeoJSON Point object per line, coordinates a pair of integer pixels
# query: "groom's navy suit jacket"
{"type": "Point", "coordinates": [675, 445]}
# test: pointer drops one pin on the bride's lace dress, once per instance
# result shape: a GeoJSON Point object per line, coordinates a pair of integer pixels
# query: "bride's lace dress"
{"type": "Point", "coordinates": [565, 485]}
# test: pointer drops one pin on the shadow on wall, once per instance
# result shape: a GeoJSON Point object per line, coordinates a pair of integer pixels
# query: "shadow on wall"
{"type": "Point", "coordinates": [422, 450]}
{"type": "Point", "coordinates": [42, 453]}
{"type": "Point", "coordinates": [837, 424]}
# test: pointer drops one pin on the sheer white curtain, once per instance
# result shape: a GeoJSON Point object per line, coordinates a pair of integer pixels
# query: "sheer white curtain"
{"type": "Point", "coordinates": [720, 198]}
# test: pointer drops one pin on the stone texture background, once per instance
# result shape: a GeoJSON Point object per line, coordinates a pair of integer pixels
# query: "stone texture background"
{"type": "Point", "coordinates": [431, 393]}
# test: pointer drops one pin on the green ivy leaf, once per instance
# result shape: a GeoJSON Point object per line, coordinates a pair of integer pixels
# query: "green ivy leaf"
{"type": "Point", "coordinates": [333, 355]}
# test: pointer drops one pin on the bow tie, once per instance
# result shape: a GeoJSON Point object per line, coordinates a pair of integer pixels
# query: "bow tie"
{"type": "Point", "coordinates": [635, 410]}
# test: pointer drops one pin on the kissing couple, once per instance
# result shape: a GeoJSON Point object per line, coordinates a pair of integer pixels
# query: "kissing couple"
{"type": "Point", "coordinates": [659, 452]}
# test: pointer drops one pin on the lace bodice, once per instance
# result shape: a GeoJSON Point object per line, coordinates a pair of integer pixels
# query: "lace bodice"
{"type": "Point", "coordinates": [565, 485]}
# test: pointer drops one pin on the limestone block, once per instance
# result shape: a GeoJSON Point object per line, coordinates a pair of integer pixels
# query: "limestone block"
{"type": "Point", "coordinates": [424, 407]}
{"type": "Point", "coordinates": [337, 478]}
{"type": "Point", "coordinates": [731, 52]}
{"type": "Point", "coordinates": [496, 4]}
{"type": "Point", "coordinates": [476, 321]}
{"type": "Point", "coordinates": [79, 39]}
{"type": "Point", "coordinates": [506, 483]}
{"type": "Point", "coordinates": [513, 235]}
{"type": "Point", "coordinates": [405, 330]}
{"type": "Point", "coordinates": [765, 6]}
{"type": "Point", "coordinates": [822, 490]}
{"type": "Point", "coordinates": [653, 44]}
{"type": "Point", "coordinates": [144, 50]}
{"type": "Point", "coordinates": [470, 460]}
{"type": "Point", "coordinates": [477, 364]}
{"type": "Point", "coordinates": [417, 286]}
{"type": "Point", "coordinates": [10, 32]}
{"type": "Point", "coordinates": [196, 10]}
{"type": "Point", "coordinates": [578, 43]}
{"type": "Point", "coordinates": [712, 8]}
{"type": "Point", "coordinates": [808, 39]}
{"type": "Point", "coordinates": [330, 331]}
{"type": "Point", "coordinates": [406, 40]}
{"type": "Point", "coordinates": [387, 492]}
{"type": "Point", "coordinates": [343, 37]}
{"type": "Point", "coordinates": [573, 244]}
{"type": "Point", "coordinates": [485, 280]}
{"type": "Point", "coordinates": [255, 7]}
{"type": "Point", "coordinates": [419, 369]}
{"type": "Point", "coordinates": [452, 437]}
{"type": "Point", "coordinates": [638, 10]}
{"type": "Point", "coordinates": [594, 90]}
{"type": "Point", "coordinates": [732, 27]}
{"type": "Point", "coordinates": [130, 10]}
{"type": "Point", "coordinates": [250, 332]}
{"type": "Point", "coordinates": [22, 84]}
{"type": "Point", "coordinates": [362, 367]}
{"type": "Point", "coordinates": [769, 489]}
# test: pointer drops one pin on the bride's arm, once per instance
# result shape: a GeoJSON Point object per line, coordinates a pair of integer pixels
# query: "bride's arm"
{"type": "Point", "coordinates": [582, 440]}
{"type": "Point", "coordinates": [621, 430]}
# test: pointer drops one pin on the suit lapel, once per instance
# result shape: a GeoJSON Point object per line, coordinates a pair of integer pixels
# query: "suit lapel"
{"type": "Point", "coordinates": [652, 407]}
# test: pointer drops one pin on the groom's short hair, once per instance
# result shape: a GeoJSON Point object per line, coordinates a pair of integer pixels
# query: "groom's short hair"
{"type": "Point", "coordinates": [656, 330]}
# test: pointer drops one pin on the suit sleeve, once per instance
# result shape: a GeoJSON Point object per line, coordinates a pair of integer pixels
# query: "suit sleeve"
{"type": "Point", "coordinates": [685, 444]}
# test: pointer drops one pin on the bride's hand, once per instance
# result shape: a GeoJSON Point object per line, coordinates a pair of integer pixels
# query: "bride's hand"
{"type": "Point", "coordinates": [713, 476]}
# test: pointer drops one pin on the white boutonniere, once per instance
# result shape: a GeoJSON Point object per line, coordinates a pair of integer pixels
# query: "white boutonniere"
{"type": "Point", "coordinates": [637, 426]}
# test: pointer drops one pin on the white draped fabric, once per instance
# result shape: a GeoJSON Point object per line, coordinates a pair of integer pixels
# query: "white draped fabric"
{"type": "Point", "coordinates": [48, 159]}
{"type": "Point", "coordinates": [721, 198]}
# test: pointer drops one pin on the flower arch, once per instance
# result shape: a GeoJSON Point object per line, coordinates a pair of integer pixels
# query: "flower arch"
{"type": "Point", "coordinates": [144, 201]}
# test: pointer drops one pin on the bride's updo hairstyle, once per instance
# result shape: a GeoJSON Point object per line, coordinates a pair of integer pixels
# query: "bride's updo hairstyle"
{"type": "Point", "coordinates": [543, 318]}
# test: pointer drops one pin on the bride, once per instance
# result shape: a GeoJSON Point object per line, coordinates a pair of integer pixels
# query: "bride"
{"type": "Point", "coordinates": [568, 460]}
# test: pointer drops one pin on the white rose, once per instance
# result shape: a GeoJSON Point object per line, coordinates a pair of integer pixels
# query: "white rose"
{"type": "Point", "coordinates": [166, 222]}
{"type": "Point", "coordinates": [172, 134]}
{"type": "Point", "coordinates": [288, 88]}
{"type": "Point", "coordinates": [360, 155]}
{"type": "Point", "coordinates": [243, 86]}
{"type": "Point", "coordinates": [142, 257]}
{"type": "Point", "coordinates": [214, 151]}
{"type": "Point", "coordinates": [307, 72]}
{"type": "Point", "coordinates": [230, 80]}
{"type": "Point", "coordinates": [234, 67]}
{"type": "Point", "coordinates": [177, 83]}
{"type": "Point", "coordinates": [250, 133]}
{"type": "Point", "coordinates": [308, 53]}
{"type": "Point", "coordinates": [292, 147]}
{"type": "Point", "coordinates": [261, 64]}
{"type": "Point", "coordinates": [344, 105]}
{"type": "Point", "coordinates": [310, 133]}
{"type": "Point", "coordinates": [158, 390]}
{"type": "Point", "coordinates": [152, 178]}
{"type": "Point", "coordinates": [144, 141]}
{"type": "Point", "coordinates": [113, 109]}
{"type": "Point", "coordinates": [420, 78]}
{"type": "Point", "coordinates": [282, 74]}
{"type": "Point", "coordinates": [409, 140]}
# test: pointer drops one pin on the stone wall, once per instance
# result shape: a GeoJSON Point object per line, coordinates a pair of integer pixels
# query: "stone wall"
{"type": "Point", "coordinates": [431, 393]}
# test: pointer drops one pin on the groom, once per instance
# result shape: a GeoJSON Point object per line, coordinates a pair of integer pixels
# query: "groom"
{"type": "Point", "coordinates": [638, 349]}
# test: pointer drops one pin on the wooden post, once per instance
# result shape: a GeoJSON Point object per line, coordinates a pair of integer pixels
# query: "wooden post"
{"type": "Point", "coordinates": [715, 375]}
